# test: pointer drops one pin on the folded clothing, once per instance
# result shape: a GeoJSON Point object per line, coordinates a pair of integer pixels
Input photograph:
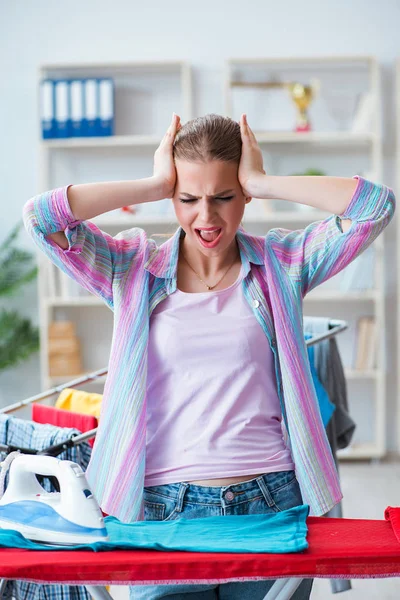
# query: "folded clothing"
{"type": "Point", "coordinates": [64, 418]}
{"type": "Point", "coordinates": [392, 514]}
{"type": "Point", "coordinates": [87, 403]}
{"type": "Point", "coordinates": [279, 533]}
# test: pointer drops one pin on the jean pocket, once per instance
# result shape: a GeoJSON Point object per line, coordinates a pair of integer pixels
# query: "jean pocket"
{"type": "Point", "coordinates": [153, 511]}
{"type": "Point", "coordinates": [281, 490]}
{"type": "Point", "coordinates": [158, 507]}
{"type": "Point", "coordinates": [286, 495]}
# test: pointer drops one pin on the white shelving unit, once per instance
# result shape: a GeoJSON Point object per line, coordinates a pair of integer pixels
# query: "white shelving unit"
{"type": "Point", "coordinates": [146, 94]}
{"type": "Point", "coordinates": [339, 148]}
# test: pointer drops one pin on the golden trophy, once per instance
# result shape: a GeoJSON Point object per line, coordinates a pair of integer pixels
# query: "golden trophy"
{"type": "Point", "coordinates": [302, 96]}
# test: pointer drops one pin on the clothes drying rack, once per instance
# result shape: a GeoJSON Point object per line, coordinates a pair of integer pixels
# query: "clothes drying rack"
{"type": "Point", "coordinates": [338, 548]}
{"type": "Point", "coordinates": [336, 326]}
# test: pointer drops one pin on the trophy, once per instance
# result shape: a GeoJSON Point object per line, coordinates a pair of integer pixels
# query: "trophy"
{"type": "Point", "coordinates": [302, 96]}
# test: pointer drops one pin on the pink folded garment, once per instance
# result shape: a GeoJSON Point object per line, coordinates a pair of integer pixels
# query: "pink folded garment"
{"type": "Point", "coordinates": [392, 514]}
{"type": "Point", "coordinates": [63, 418]}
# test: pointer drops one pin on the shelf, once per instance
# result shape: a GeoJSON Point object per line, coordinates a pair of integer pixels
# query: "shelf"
{"type": "Point", "coordinates": [112, 141]}
{"type": "Point", "coordinates": [289, 216]}
{"type": "Point", "coordinates": [333, 296]}
{"type": "Point", "coordinates": [354, 374]}
{"type": "Point", "coordinates": [275, 217]}
{"type": "Point", "coordinates": [334, 139]}
{"type": "Point", "coordinates": [133, 220]}
{"type": "Point", "coordinates": [78, 301]}
{"type": "Point", "coordinates": [359, 451]}
{"type": "Point", "coordinates": [62, 379]}
{"type": "Point", "coordinates": [350, 374]}
{"type": "Point", "coordinates": [113, 68]}
{"type": "Point", "coordinates": [350, 59]}
{"type": "Point", "coordinates": [315, 297]}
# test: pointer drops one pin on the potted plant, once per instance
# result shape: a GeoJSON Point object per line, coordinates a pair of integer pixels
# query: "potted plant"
{"type": "Point", "coordinates": [19, 338]}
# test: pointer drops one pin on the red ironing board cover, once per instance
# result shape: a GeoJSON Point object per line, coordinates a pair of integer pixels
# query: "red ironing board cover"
{"type": "Point", "coordinates": [343, 548]}
{"type": "Point", "coordinates": [63, 418]}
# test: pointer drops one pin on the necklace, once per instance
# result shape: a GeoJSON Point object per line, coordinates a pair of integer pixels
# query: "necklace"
{"type": "Point", "coordinates": [209, 287]}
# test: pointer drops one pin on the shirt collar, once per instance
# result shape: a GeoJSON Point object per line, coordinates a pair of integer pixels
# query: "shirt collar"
{"type": "Point", "coordinates": [163, 262]}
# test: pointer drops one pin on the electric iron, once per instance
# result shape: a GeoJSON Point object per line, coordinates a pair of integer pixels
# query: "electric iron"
{"type": "Point", "coordinates": [71, 516]}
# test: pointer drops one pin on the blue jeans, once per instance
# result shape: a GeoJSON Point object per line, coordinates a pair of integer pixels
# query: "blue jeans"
{"type": "Point", "coordinates": [269, 493]}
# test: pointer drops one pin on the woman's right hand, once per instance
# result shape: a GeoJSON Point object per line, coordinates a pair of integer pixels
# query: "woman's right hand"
{"type": "Point", "coordinates": [164, 166]}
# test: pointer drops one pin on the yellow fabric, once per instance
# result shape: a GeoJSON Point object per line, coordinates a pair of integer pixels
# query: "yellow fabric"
{"type": "Point", "coordinates": [80, 402]}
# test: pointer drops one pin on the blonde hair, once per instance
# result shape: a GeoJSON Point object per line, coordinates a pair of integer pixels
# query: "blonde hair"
{"type": "Point", "coordinates": [212, 137]}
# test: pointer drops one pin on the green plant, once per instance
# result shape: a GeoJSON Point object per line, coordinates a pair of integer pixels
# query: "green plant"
{"type": "Point", "coordinates": [18, 337]}
{"type": "Point", "coordinates": [311, 172]}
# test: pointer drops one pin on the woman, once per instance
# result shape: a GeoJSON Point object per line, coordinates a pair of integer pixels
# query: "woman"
{"type": "Point", "coordinates": [209, 406]}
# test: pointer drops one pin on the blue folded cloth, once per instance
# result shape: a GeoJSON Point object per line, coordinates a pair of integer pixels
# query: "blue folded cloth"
{"type": "Point", "coordinates": [279, 533]}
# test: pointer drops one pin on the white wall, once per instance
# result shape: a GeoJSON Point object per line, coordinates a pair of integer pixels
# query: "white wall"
{"type": "Point", "coordinates": [43, 31]}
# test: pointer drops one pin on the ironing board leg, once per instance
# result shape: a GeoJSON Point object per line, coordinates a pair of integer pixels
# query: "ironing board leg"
{"type": "Point", "coordinates": [283, 589]}
{"type": "Point", "coordinates": [98, 592]}
{"type": "Point", "coordinates": [3, 583]}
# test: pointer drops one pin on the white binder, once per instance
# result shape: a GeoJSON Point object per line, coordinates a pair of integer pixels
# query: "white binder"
{"type": "Point", "coordinates": [77, 107]}
{"type": "Point", "coordinates": [62, 108]}
{"type": "Point", "coordinates": [106, 106]}
{"type": "Point", "coordinates": [47, 108]}
{"type": "Point", "coordinates": [91, 107]}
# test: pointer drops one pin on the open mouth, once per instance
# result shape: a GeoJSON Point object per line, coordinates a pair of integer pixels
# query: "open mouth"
{"type": "Point", "coordinates": [209, 236]}
{"type": "Point", "coordinates": [209, 239]}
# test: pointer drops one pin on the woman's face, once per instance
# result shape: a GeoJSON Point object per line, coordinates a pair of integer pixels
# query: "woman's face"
{"type": "Point", "coordinates": [208, 195]}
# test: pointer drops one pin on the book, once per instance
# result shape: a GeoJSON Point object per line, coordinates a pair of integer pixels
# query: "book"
{"type": "Point", "coordinates": [372, 345]}
{"type": "Point", "coordinates": [366, 351]}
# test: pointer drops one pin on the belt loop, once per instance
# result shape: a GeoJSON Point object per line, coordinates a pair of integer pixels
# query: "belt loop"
{"type": "Point", "coordinates": [181, 494]}
{"type": "Point", "coordinates": [265, 491]}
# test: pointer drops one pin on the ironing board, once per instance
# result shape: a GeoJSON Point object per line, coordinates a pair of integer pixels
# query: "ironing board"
{"type": "Point", "coordinates": [338, 548]}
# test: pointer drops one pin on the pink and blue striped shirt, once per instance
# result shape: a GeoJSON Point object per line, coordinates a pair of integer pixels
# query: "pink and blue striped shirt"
{"type": "Point", "coordinates": [132, 275]}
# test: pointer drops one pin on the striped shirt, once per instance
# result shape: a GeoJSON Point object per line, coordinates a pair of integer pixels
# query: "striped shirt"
{"type": "Point", "coordinates": [132, 275]}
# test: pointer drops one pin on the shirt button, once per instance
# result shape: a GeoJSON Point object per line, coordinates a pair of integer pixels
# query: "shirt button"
{"type": "Point", "coordinates": [256, 303]}
{"type": "Point", "coordinates": [273, 342]}
{"type": "Point", "coordinates": [229, 495]}
{"type": "Point", "coordinates": [73, 237]}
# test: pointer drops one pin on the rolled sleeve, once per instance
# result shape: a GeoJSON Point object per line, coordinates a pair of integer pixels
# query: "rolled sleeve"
{"type": "Point", "coordinates": [370, 201]}
{"type": "Point", "coordinates": [52, 211]}
{"type": "Point", "coordinates": [94, 259]}
{"type": "Point", "coordinates": [313, 255]}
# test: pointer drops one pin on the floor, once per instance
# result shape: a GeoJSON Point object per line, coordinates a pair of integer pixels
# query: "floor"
{"type": "Point", "coordinates": [368, 488]}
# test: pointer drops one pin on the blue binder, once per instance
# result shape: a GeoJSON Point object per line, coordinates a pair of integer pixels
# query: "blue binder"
{"type": "Point", "coordinates": [106, 106]}
{"type": "Point", "coordinates": [47, 109]}
{"type": "Point", "coordinates": [91, 115]}
{"type": "Point", "coordinates": [62, 108]}
{"type": "Point", "coordinates": [76, 89]}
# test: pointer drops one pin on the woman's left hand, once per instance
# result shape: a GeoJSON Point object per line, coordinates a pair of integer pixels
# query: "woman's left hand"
{"type": "Point", "coordinates": [251, 171]}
